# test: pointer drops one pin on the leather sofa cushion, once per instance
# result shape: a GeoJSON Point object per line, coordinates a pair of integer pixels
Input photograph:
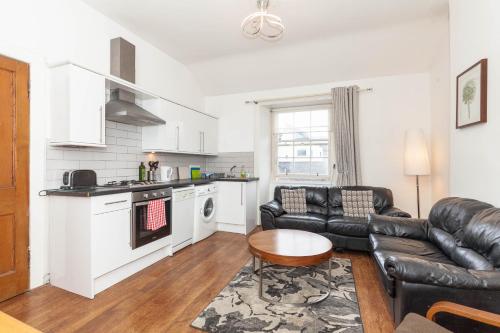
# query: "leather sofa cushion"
{"type": "Point", "coordinates": [316, 198]}
{"type": "Point", "coordinates": [382, 197]}
{"type": "Point", "coordinates": [452, 214]}
{"type": "Point", "coordinates": [482, 234]}
{"type": "Point", "coordinates": [463, 256]}
{"type": "Point", "coordinates": [407, 246]}
{"type": "Point", "coordinates": [388, 282]}
{"type": "Point", "coordinates": [349, 226]}
{"type": "Point", "coordinates": [307, 222]}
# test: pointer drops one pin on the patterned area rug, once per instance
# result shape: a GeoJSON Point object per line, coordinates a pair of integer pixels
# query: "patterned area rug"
{"type": "Point", "coordinates": [238, 308]}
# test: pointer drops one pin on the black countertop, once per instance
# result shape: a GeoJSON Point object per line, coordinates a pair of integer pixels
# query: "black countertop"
{"type": "Point", "coordinates": [97, 191]}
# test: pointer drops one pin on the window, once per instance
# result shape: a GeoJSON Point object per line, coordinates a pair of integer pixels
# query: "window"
{"type": "Point", "coordinates": [301, 143]}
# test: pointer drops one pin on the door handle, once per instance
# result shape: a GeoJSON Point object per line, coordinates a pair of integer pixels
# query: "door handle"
{"type": "Point", "coordinates": [115, 202]}
{"type": "Point", "coordinates": [103, 123]}
{"type": "Point", "coordinates": [178, 130]}
{"type": "Point", "coordinates": [241, 194]}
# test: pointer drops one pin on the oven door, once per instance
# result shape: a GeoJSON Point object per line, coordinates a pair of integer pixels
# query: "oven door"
{"type": "Point", "coordinates": [140, 234]}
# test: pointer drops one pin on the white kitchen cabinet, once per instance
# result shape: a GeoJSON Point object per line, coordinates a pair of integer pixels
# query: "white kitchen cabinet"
{"type": "Point", "coordinates": [77, 102]}
{"type": "Point", "coordinates": [186, 131]}
{"type": "Point", "coordinates": [90, 240]}
{"type": "Point", "coordinates": [110, 241]}
{"type": "Point", "coordinates": [209, 136]}
{"type": "Point", "coordinates": [236, 210]}
{"type": "Point", "coordinates": [189, 135]}
{"type": "Point", "coordinates": [162, 138]}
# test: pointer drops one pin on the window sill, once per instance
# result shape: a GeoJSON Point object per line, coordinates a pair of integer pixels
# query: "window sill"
{"type": "Point", "coordinates": [303, 181]}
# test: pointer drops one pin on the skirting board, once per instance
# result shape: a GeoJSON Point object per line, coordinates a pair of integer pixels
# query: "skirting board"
{"type": "Point", "coordinates": [107, 280]}
{"type": "Point", "coordinates": [182, 245]}
{"type": "Point", "coordinates": [235, 228]}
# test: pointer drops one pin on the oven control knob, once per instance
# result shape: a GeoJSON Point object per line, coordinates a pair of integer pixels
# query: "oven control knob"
{"type": "Point", "coordinates": [155, 194]}
{"type": "Point", "coordinates": [146, 196]}
{"type": "Point", "coordinates": [163, 193]}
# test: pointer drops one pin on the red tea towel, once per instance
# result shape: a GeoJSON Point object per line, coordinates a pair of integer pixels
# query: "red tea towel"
{"type": "Point", "coordinates": [156, 215]}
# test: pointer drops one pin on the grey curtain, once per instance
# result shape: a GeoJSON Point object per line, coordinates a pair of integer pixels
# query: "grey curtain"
{"type": "Point", "coordinates": [344, 123]}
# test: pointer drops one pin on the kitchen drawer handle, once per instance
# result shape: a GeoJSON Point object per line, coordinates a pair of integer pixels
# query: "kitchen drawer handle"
{"type": "Point", "coordinates": [115, 202]}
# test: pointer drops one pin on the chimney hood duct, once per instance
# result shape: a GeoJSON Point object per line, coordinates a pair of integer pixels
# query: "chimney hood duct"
{"type": "Point", "coordinates": [121, 107]}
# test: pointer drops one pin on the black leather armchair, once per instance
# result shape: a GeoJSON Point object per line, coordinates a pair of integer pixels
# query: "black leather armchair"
{"type": "Point", "coordinates": [325, 215]}
{"type": "Point", "coordinates": [453, 256]}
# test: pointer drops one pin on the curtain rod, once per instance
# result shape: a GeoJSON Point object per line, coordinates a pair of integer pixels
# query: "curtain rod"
{"type": "Point", "coordinates": [299, 97]}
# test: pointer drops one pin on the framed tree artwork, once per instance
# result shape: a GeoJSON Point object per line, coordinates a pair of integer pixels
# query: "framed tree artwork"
{"type": "Point", "coordinates": [472, 89]}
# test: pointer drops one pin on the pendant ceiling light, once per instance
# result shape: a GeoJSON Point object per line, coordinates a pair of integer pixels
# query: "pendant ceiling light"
{"type": "Point", "coordinates": [262, 24]}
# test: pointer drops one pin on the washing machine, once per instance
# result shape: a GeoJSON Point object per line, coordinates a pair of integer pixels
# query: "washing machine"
{"type": "Point", "coordinates": [204, 211]}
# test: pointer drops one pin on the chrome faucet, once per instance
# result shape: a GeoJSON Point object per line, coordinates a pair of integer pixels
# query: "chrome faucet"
{"type": "Point", "coordinates": [231, 173]}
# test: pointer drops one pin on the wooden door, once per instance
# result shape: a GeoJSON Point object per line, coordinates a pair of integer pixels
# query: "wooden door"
{"type": "Point", "coordinates": [14, 173]}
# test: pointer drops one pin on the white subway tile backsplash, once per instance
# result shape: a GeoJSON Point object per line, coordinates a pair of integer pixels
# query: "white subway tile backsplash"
{"type": "Point", "coordinates": [110, 140]}
{"type": "Point", "coordinates": [78, 155]}
{"type": "Point", "coordinates": [104, 156]}
{"type": "Point", "coordinates": [93, 165]}
{"type": "Point", "coordinates": [126, 127]}
{"type": "Point", "coordinates": [121, 158]}
{"type": "Point", "coordinates": [134, 135]}
{"type": "Point", "coordinates": [127, 172]}
{"type": "Point", "coordinates": [126, 157]}
{"type": "Point", "coordinates": [116, 133]}
{"type": "Point", "coordinates": [127, 142]}
{"type": "Point", "coordinates": [116, 164]}
{"type": "Point", "coordinates": [62, 164]}
{"type": "Point", "coordinates": [117, 149]}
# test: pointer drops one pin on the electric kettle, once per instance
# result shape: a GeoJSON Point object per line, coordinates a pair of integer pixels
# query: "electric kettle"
{"type": "Point", "coordinates": [166, 173]}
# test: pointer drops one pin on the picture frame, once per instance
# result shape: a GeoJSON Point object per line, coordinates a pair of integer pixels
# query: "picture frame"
{"type": "Point", "coordinates": [472, 98]}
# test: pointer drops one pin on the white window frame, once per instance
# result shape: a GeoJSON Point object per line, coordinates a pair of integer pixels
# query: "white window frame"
{"type": "Point", "coordinates": [280, 178]}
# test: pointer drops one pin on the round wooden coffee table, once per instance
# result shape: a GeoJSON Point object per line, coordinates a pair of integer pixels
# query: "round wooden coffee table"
{"type": "Point", "coordinates": [292, 248]}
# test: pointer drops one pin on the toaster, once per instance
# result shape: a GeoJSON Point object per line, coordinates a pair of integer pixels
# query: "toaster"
{"type": "Point", "coordinates": [79, 179]}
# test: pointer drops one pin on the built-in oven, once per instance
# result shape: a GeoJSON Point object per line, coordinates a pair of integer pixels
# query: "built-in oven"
{"type": "Point", "coordinates": [142, 232]}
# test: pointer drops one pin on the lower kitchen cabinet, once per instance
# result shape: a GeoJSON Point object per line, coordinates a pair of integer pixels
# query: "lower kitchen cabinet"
{"type": "Point", "coordinates": [90, 243]}
{"type": "Point", "coordinates": [237, 206]}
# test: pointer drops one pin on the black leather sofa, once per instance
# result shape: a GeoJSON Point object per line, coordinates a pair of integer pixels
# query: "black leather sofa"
{"type": "Point", "coordinates": [452, 256]}
{"type": "Point", "coordinates": [325, 215]}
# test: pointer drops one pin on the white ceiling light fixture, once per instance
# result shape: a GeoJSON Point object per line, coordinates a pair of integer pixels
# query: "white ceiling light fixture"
{"type": "Point", "coordinates": [262, 24]}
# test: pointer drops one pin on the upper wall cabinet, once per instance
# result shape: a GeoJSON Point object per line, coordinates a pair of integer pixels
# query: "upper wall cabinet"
{"type": "Point", "coordinates": [77, 102]}
{"type": "Point", "coordinates": [185, 132]}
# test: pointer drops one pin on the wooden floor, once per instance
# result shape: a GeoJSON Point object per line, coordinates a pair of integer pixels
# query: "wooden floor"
{"type": "Point", "coordinates": [168, 295]}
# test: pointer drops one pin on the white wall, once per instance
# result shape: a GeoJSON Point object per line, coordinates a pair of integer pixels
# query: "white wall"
{"type": "Point", "coordinates": [440, 118]}
{"type": "Point", "coordinates": [41, 32]}
{"type": "Point", "coordinates": [397, 103]}
{"type": "Point", "coordinates": [474, 157]}
{"type": "Point", "coordinates": [394, 50]}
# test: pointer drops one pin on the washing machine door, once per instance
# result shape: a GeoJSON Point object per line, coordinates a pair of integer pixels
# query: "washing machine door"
{"type": "Point", "coordinates": [207, 209]}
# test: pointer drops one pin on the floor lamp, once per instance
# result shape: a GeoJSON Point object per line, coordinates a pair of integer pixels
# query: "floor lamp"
{"type": "Point", "coordinates": [416, 158]}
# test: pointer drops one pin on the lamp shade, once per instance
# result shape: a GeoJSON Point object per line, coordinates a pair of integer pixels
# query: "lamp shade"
{"type": "Point", "coordinates": [416, 155]}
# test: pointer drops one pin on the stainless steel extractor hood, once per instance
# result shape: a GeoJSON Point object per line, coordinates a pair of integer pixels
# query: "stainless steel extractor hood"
{"type": "Point", "coordinates": [122, 109]}
{"type": "Point", "coordinates": [121, 106]}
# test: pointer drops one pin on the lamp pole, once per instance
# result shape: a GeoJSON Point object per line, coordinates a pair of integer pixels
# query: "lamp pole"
{"type": "Point", "coordinates": [418, 198]}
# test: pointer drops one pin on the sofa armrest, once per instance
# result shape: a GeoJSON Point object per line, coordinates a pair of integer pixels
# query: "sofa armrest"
{"type": "Point", "coordinates": [398, 226]}
{"type": "Point", "coordinates": [274, 207]}
{"type": "Point", "coordinates": [395, 212]}
{"type": "Point", "coordinates": [416, 270]}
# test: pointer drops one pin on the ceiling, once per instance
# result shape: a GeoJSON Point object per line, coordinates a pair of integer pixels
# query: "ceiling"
{"type": "Point", "coordinates": [200, 30]}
